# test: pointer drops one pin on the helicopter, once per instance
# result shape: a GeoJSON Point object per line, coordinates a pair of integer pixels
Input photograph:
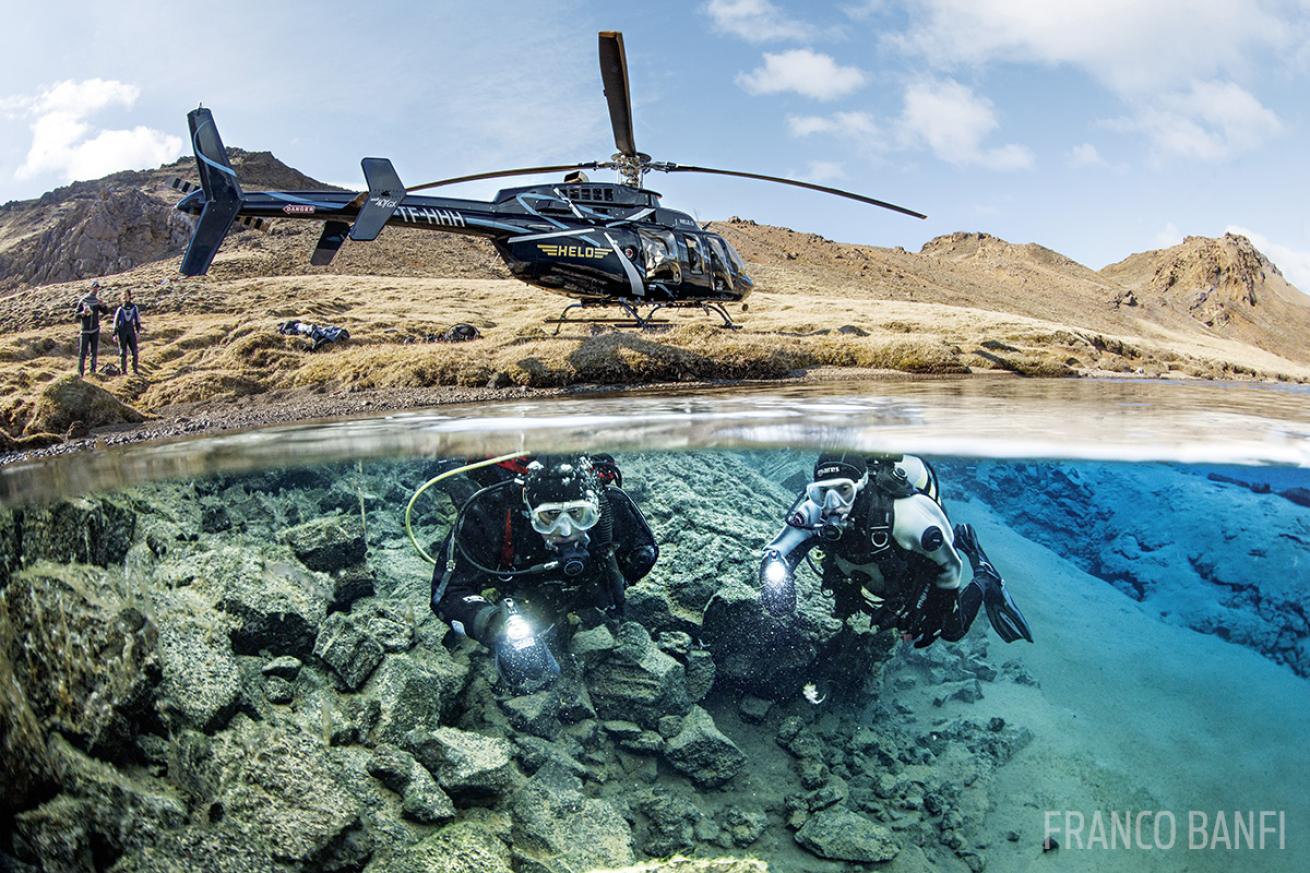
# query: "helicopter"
{"type": "Point", "coordinates": [602, 244]}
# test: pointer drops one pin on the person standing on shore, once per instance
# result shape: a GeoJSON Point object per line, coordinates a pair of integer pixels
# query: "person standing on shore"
{"type": "Point", "coordinates": [127, 328]}
{"type": "Point", "coordinates": [89, 310]}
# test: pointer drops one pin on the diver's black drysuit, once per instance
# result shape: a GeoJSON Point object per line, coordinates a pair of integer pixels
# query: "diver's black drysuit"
{"type": "Point", "coordinates": [494, 530]}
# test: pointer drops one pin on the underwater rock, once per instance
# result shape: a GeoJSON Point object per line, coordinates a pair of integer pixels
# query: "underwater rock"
{"type": "Point", "coordinates": [350, 584]}
{"type": "Point", "coordinates": [591, 646]}
{"type": "Point", "coordinates": [421, 798]}
{"type": "Point", "coordinates": [557, 829]}
{"type": "Point", "coordinates": [84, 659]}
{"type": "Point", "coordinates": [752, 709]}
{"type": "Point", "coordinates": [278, 606]}
{"type": "Point", "coordinates": [761, 655]}
{"type": "Point", "coordinates": [387, 623]}
{"type": "Point", "coordinates": [415, 689]}
{"type": "Point", "coordinates": [841, 835]}
{"type": "Point", "coordinates": [327, 543]}
{"type": "Point", "coordinates": [282, 786]}
{"type": "Point", "coordinates": [467, 765]}
{"type": "Point", "coordinates": [651, 605]}
{"type": "Point", "coordinates": [637, 681]}
{"type": "Point", "coordinates": [463, 847]}
{"type": "Point", "coordinates": [700, 674]}
{"type": "Point", "coordinates": [347, 648]}
{"type": "Point", "coordinates": [200, 683]}
{"type": "Point", "coordinates": [739, 828]}
{"type": "Point", "coordinates": [100, 814]}
{"type": "Point", "coordinates": [536, 714]}
{"type": "Point", "coordinates": [574, 700]}
{"type": "Point", "coordinates": [965, 691]}
{"type": "Point", "coordinates": [670, 821]}
{"type": "Point", "coordinates": [702, 752]}
{"type": "Point", "coordinates": [533, 753]}
{"type": "Point", "coordinates": [84, 530]}
{"type": "Point", "coordinates": [198, 849]}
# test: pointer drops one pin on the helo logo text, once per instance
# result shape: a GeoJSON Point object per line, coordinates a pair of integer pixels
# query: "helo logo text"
{"type": "Point", "coordinates": [428, 215]}
{"type": "Point", "coordinates": [558, 251]}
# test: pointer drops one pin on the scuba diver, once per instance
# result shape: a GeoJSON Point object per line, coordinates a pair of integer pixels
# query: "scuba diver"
{"type": "Point", "coordinates": [559, 537]}
{"type": "Point", "coordinates": [888, 550]}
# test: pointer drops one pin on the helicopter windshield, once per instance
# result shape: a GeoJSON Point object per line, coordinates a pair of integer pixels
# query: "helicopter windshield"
{"type": "Point", "coordinates": [661, 251]}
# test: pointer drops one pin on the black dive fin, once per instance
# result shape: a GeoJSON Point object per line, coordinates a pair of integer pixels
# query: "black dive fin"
{"type": "Point", "coordinates": [1004, 614]}
{"type": "Point", "coordinates": [334, 234]}
{"type": "Point", "coordinates": [384, 194]}
{"type": "Point", "coordinates": [987, 585]}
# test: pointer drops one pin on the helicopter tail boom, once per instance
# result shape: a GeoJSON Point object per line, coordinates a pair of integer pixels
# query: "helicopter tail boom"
{"type": "Point", "coordinates": [222, 194]}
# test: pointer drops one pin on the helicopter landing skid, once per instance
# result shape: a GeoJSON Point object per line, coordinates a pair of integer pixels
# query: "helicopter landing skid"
{"type": "Point", "coordinates": [635, 318]}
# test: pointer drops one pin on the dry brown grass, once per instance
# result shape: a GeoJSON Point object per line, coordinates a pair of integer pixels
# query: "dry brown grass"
{"type": "Point", "coordinates": [215, 338]}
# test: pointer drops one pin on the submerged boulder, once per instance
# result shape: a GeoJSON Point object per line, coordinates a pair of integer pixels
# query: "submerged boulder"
{"type": "Point", "coordinates": [278, 606]}
{"type": "Point", "coordinates": [99, 813]}
{"type": "Point", "coordinates": [637, 681]}
{"type": "Point", "coordinates": [83, 658]}
{"type": "Point", "coordinates": [838, 834]}
{"type": "Point", "coordinates": [417, 689]}
{"type": "Point", "coordinates": [200, 684]}
{"type": "Point", "coordinates": [345, 646]}
{"type": "Point", "coordinates": [463, 847]}
{"type": "Point", "coordinates": [701, 752]}
{"type": "Point", "coordinates": [280, 787]}
{"type": "Point", "coordinates": [559, 830]}
{"type": "Point", "coordinates": [467, 765]}
{"type": "Point", "coordinates": [83, 530]}
{"type": "Point", "coordinates": [327, 543]}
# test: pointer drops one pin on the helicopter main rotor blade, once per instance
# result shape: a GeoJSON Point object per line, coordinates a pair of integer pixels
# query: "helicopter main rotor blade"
{"type": "Point", "coordinates": [683, 168]}
{"type": "Point", "coordinates": [522, 171]}
{"type": "Point", "coordinates": [614, 75]}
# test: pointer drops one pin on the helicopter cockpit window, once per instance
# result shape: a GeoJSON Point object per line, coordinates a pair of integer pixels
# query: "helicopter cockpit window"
{"type": "Point", "coordinates": [695, 258]}
{"type": "Point", "coordinates": [661, 253]}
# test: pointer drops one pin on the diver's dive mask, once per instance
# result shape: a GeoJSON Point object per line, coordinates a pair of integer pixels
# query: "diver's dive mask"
{"type": "Point", "coordinates": [835, 496]}
{"type": "Point", "coordinates": [564, 519]}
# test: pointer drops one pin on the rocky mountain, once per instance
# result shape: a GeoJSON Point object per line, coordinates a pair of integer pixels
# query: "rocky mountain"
{"type": "Point", "coordinates": [113, 224]}
{"type": "Point", "coordinates": [1225, 285]}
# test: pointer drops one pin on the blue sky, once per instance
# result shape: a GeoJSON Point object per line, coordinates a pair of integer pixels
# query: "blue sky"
{"type": "Point", "coordinates": [1095, 128]}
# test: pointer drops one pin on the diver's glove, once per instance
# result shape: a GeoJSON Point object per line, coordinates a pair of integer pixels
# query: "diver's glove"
{"type": "Point", "coordinates": [523, 658]}
{"type": "Point", "coordinates": [777, 585]}
{"type": "Point", "coordinates": [937, 615]}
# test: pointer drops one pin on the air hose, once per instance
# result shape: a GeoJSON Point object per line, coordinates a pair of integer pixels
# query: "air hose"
{"type": "Point", "coordinates": [446, 475]}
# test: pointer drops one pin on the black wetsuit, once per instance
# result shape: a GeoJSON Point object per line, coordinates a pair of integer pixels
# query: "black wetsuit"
{"type": "Point", "coordinates": [89, 309]}
{"type": "Point", "coordinates": [497, 534]}
{"type": "Point", "coordinates": [127, 326]}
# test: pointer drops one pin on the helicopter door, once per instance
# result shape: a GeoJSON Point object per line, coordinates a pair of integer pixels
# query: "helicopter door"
{"type": "Point", "coordinates": [695, 271]}
{"type": "Point", "coordinates": [663, 266]}
{"type": "Point", "coordinates": [721, 267]}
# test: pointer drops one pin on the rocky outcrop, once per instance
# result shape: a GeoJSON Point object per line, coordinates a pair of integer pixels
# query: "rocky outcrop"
{"type": "Point", "coordinates": [702, 752]}
{"type": "Point", "coordinates": [842, 835]}
{"type": "Point", "coordinates": [69, 401]}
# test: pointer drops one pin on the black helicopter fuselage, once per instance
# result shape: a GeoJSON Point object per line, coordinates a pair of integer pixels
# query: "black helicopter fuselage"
{"type": "Point", "coordinates": [594, 242]}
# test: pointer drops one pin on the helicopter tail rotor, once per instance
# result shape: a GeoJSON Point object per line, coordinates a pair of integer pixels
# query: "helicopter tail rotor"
{"type": "Point", "coordinates": [221, 189]}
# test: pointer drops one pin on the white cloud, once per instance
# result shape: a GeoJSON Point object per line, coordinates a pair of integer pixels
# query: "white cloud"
{"type": "Point", "coordinates": [1130, 45]}
{"type": "Point", "coordinates": [953, 122]}
{"type": "Point", "coordinates": [65, 145]}
{"type": "Point", "coordinates": [1294, 263]}
{"type": "Point", "coordinates": [824, 171]}
{"type": "Point", "coordinates": [852, 124]}
{"type": "Point", "coordinates": [756, 21]}
{"type": "Point", "coordinates": [1210, 121]}
{"type": "Point", "coordinates": [1167, 236]}
{"type": "Point", "coordinates": [1086, 155]}
{"type": "Point", "coordinates": [804, 72]}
